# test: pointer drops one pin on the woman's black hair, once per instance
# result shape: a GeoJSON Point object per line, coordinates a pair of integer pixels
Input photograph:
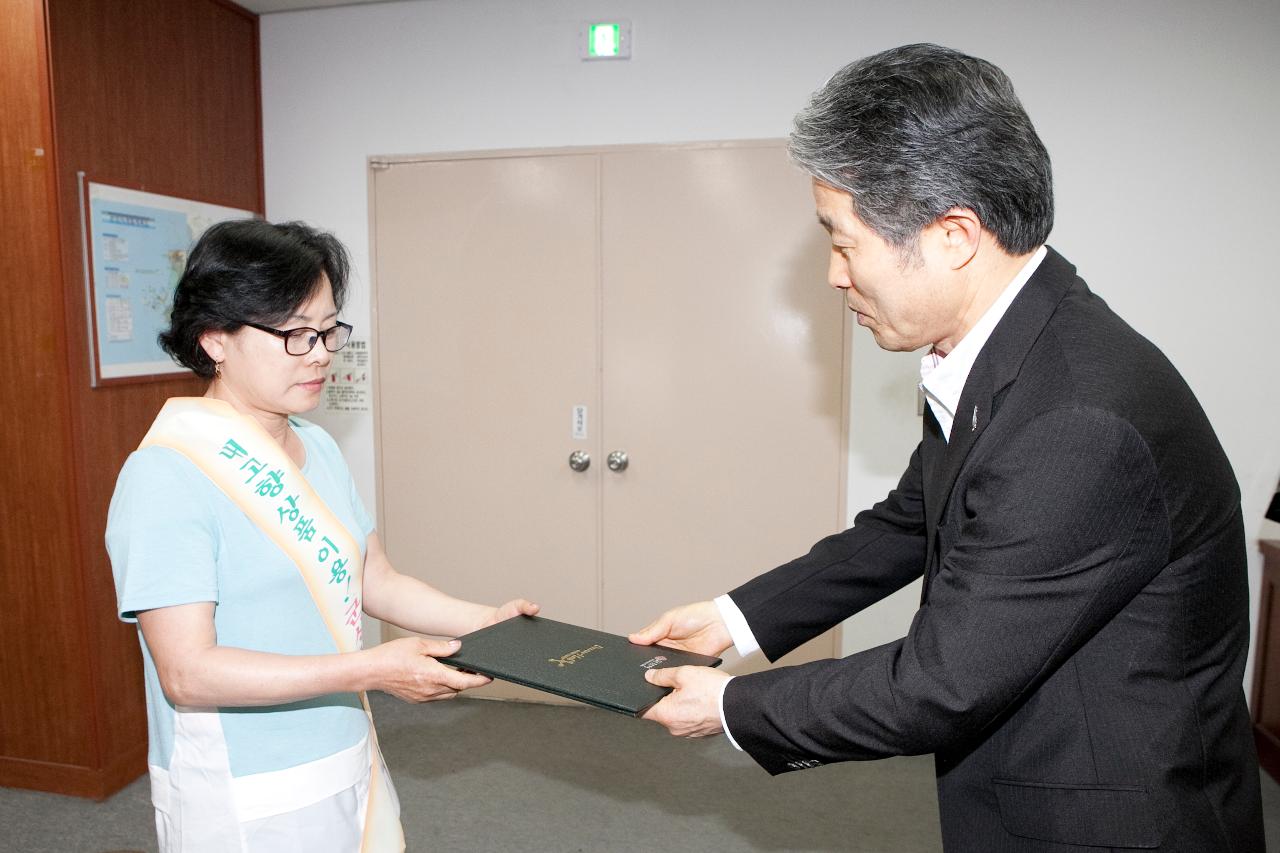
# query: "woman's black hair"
{"type": "Point", "coordinates": [248, 270]}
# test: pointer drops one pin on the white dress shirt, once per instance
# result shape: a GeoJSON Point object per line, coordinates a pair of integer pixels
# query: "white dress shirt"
{"type": "Point", "coordinates": [942, 381]}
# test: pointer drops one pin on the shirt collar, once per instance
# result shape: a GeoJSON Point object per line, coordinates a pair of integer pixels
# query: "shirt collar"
{"type": "Point", "coordinates": [942, 379]}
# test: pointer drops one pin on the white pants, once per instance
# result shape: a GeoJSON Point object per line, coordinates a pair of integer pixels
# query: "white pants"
{"type": "Point", "coordinates": [200, 808]}
{"type": "Point", "coordinates": [333, 824]}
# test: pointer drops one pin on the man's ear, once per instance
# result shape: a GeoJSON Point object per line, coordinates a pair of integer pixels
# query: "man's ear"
{"type": "Point", "coordinates": [959, 234]}
{"type": "Point", "coordinates": [214, 343]}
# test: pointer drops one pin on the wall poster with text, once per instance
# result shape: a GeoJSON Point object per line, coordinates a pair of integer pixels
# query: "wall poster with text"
{"type": "Point", "coordinates": [135, 249]}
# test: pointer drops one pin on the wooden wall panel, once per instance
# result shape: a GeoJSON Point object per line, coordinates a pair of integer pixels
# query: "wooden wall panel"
{"type": "Point", "coordinates": [162, 95]}
{"type": "Point", "coordinates": [1266, 663]}
{"type": "Point", "coordinates": [39, 596]}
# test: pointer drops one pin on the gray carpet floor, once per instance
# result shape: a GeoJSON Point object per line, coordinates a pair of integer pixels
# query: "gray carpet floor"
{"type": "Point", "coordinates": [477, 775]}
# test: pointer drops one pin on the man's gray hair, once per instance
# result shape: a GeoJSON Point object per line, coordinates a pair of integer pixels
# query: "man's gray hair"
{"type": "Point", "coordinates": [918, 130]}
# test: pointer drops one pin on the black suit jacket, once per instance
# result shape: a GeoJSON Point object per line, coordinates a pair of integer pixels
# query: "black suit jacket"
{"type": "Point", "coordinates": [1076, 661]}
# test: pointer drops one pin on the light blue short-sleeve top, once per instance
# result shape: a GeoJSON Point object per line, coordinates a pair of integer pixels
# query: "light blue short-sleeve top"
{"type": "Point", "coordinates": [174, 538]}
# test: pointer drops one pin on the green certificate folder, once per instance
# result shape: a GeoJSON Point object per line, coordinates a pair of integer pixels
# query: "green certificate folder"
{"type": "Point", "coordinates": [578, 663]}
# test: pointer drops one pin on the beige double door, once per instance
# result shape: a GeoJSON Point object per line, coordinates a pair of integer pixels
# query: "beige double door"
{"type": "Point", "coordinates": [666, 303]}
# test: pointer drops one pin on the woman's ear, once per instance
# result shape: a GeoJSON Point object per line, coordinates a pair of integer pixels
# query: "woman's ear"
{"type": "Point", "coordinates": [214, 344]}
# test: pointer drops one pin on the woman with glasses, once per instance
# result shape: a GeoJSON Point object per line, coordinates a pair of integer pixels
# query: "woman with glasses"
{"type": "Point", "coordinates": [242, 550]}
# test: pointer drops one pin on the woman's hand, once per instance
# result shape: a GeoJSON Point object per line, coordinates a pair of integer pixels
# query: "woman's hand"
{"type": "Point", "coordinates": [408, 669]}
{"type": "Point", "coordinates": [514, 607]}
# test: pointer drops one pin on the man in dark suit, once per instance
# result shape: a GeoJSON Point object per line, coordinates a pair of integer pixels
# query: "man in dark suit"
{"type": "Point", "coordinates": [1077, 658]}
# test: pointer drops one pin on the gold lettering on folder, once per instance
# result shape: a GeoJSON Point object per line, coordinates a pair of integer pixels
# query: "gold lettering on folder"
{"type": "Point", "coordinates": [573, 656]}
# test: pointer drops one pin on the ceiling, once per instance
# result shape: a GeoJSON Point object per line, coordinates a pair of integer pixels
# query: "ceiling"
{"type": "Point", "coordinates": [265, 7]}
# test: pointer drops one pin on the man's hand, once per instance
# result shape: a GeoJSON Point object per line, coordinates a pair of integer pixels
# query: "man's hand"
{"type": "Point", "coordinates": [693, 627]}
{"type": "Point", "coordinates": [693, 708]}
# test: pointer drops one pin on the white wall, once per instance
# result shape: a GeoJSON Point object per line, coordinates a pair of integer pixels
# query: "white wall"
{"type": "Point", "coordinates": [1160, 115]}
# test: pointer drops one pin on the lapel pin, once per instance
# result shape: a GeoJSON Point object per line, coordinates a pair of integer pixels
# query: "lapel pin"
{"type": "Point", "coordinates": [973, 427]}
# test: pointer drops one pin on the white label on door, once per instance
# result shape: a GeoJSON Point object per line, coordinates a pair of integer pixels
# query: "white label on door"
{"type": "Point", "coordinates": [580, 422]}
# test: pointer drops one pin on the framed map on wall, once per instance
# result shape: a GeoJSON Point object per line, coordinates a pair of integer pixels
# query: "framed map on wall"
{"type": "Point", "coordinates": [135, 249]}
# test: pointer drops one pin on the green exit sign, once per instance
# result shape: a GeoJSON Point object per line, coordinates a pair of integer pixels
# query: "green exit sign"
{"type": "Point", "coordinates": [606, 40]}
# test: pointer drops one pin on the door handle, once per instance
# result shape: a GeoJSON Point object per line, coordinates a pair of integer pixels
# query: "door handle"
{"type": "Point", "coordinates": [617, 460]}
{"type": "Point", "coordinates": [579, 460]}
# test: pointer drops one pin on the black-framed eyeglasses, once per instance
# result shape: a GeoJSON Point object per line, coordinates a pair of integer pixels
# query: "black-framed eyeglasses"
{"type": "Point", "coordinates": [303, 340]}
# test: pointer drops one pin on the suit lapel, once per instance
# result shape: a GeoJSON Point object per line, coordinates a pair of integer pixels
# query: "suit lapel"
{"type": "Point", "coordinates": [932, 449]}
{"type": "Point", "coordinates": [996, 367]}
{"type": "Point", "coordinates": [972, 415]}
